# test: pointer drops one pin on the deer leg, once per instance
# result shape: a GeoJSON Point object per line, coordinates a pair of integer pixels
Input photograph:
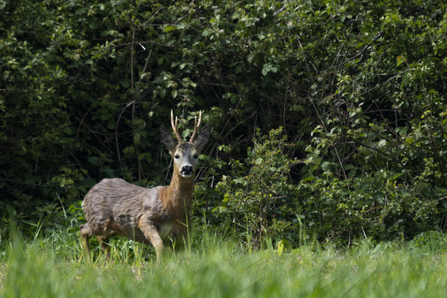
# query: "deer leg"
{"type": "Point", "coordinates": [178, 247]}
{"type": "Point", "coordinates": [151, 233]}
{"type": "Point", "coordinates": [180, 242]}
{"type": "Point", "coordinates": [104, 246]}
{"type": "Point", "coordinates": [85, 233]}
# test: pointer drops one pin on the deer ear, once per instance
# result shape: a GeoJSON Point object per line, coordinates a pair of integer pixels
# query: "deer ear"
{"type": "Point", "coordinates": [203, 136]}
{"type": "Point", "coordinates": [166, 138]}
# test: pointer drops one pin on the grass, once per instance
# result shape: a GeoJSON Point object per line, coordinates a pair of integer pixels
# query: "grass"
{"type": "Point", "coordinates": [214, 267]}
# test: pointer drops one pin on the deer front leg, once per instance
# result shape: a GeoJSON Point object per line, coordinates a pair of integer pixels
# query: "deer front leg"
{"type": "Point", "coordinates": [151, 233]}
{"type": "Point", "coordinates": [85, 233]}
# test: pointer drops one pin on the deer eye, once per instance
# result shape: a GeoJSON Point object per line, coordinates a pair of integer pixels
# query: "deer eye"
{"type": "Point", "coordinates": [177, 156]}
{"type": "Point", "coordinates": [196, 156]}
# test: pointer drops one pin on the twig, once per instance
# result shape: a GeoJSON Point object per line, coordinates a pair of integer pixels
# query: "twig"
{"type": "Point", "coordinates": [116, 133]}
{"type": "Point", "coordinates": [80, 124]}
{"type": "Point", "coordinates": [20, 182]}
{"type": "Point", "coordinates": [361, 52]}
{"type": "Point", "coordinates": [144, 70]}
{"type": "Point", "coordinates": [381, 152]}
{"type": "Point", "coordinates": [401, 73]}
{"type": "Point", "coordinates": [74, 81]}
{"type": "Point", "coordinates": [155, 13]}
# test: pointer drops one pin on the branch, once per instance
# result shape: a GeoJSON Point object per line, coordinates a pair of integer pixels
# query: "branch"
{"type": "Point", "coordinates": [387, 81]}
{"type": "Point", "coordinates": [20, 182]}
{"type": "Point", "coordinates": [381, 152]}
{"type": "Point", "coordinates": [361, 52]}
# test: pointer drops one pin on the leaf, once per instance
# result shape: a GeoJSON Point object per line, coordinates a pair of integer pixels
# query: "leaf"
{"type": "Point", "coordinates": [265, 70]}
{"type": "Point", "coordinates": [89, 182]}
{"type": "Point", "coordinates": [400, 60]}
{"type": "Point", "coordinates": [73, 230]}
{"type": "Point", "coordinates": [110, 173]}
{"type": "Point", "coordinates": [349, 167]}
{"type": "Point", "coordinates": [308, 178]}
{"type": "Point", "coordinates": [111, 125]}
{"type": "Point", "coordinates": [326, 166]}
{"type": "Point", "coordinates": [68, 130]}
{"type": "Point", "coordinates": [280, 248]}
{"type": "Point", "coordinates": [199, 100]}
{"type": "Point", "coordinates": [94, 160]}
{"type": "Point", "coordinates": [93, 25]}
{"type": "Point", "coordinates": [397, 176]}
{"type": "Point", "coordinates": [169, 28]}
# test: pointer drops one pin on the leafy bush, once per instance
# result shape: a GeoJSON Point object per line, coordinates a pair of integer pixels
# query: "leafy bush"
{"type": "Point", "coordinates": [85, 85]}
{"type": "Point", "coordinates": [259, 197]}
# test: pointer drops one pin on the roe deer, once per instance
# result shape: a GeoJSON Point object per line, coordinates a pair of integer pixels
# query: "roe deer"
{"type": "Point", "coordinates": [152, 216]}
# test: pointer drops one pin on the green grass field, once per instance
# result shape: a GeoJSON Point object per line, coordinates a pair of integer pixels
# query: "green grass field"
{"type": "Point", "coordinates": [55, 266]}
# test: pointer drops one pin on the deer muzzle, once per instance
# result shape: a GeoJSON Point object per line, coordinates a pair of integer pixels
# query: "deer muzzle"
{"type": "Point", "coordinates": [187, 171]}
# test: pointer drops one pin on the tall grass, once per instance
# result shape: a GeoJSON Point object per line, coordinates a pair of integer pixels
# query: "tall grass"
{"type": "Point", "coordinates": [215, 267]}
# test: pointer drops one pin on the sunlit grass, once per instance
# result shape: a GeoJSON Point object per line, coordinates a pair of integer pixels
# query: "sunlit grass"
{"type": "Point", "coordinates": [216, 267]}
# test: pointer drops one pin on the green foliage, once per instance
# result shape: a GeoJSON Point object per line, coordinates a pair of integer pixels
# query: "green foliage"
{"type": "Point", "coordinates": [261, 201]}
{"type": "Point", "coordinates": [358, 87]}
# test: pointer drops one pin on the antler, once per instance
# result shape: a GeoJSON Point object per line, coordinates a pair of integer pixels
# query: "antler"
{"type": "Point", "coordinates": [174, 127]}
{"type": "Point", "coordinates": [196, 126]}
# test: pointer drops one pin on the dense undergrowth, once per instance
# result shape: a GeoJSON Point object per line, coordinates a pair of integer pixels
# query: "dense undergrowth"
{"type": "Point", "coordinates": [214, 266]}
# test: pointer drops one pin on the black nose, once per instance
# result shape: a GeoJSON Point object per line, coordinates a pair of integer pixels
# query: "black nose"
{"type": "Point", "coordinates": [187, 170]}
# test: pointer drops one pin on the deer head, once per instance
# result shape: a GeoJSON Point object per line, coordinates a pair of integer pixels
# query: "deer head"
{"type": "Point", "coordinates": [185, 154]}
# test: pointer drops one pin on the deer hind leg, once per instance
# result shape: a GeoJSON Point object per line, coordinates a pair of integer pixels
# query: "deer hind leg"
{"type": "Point", "coordinates": [85, 233]}
{"type": "Point", "coordinates": [180, 240]}
{"type": "Point", "coordinates": [104, 240]}
{"type": "Point", "coordinates": [151, 233]}
{"type": "Point", "coordinates": [107, 233]}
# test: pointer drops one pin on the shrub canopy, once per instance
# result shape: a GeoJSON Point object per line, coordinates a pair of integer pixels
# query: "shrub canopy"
{"type": "Point", "coordinates": [357, 87]}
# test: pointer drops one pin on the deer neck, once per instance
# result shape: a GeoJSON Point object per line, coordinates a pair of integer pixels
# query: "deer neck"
{"type": "Point", "coordinates": [181, 191]}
